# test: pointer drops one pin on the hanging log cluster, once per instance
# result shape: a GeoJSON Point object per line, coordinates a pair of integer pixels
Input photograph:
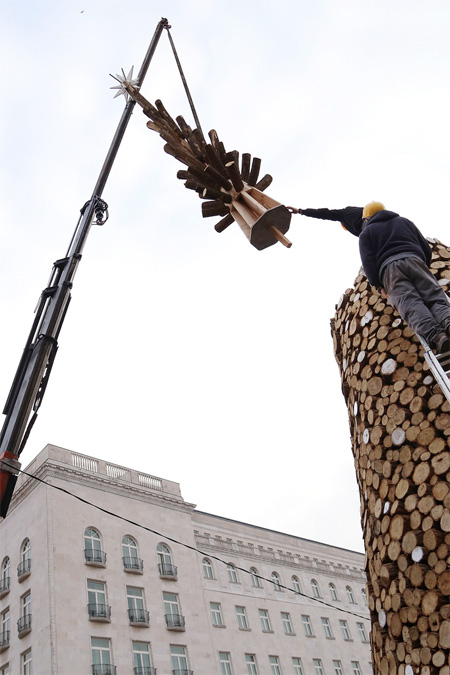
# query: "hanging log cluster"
{"type": "Point", "coordinates": [400, 432]}
{"type": "Point", "coordinates": [230, 186]}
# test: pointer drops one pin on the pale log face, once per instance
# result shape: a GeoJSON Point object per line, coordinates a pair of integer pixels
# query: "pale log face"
{"type": "Point", "coordinates": [400, 428]}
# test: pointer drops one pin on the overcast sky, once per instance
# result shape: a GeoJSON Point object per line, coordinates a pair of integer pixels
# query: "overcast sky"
{"type": "Point", "coordinates": [187, 354]}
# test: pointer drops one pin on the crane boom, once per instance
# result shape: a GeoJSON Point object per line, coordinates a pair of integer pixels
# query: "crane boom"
{"type": "Point", "coordinates": [31, 378]}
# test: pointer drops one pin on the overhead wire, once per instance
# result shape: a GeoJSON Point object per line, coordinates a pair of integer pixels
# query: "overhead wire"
{"type": "Point", "coordinates": [189, 546]}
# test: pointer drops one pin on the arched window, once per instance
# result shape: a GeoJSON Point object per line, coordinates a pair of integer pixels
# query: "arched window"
{"type": "Point", "coordinates": [5, 576]}
{"type": "Point", "coordinates": [333, 592]}
{"type": "Point", "coordinates": [130, 556]}
{"type": "Point", "coordinates": [24, 567]}
{"type": "Point", "coordinates": [350, 596]}
{"type": "Point", "coordinates": [208, 572]}
{"type": "Point", "coordinates": [254, 574]}
{"type": "Point", "coordinates": [296, 584]}
{"type": "Point", "coordinates": [364, 594]}
{"type": "Point", "coordinates": [232, 574]}
{"type": "Point", "coordinates": [165, 564]}
{"type": "Point", "coordinates": [315, 588]}
{"type": "Point", "coordinates": [276, 581]}
{"type": "Point", "coordinates": [93, 553]}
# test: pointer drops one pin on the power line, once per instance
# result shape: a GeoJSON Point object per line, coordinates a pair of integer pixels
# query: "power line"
{"type": "Point", "coordinates": [188, 546]}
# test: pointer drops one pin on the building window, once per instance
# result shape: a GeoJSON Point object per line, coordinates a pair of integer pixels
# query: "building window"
{"type": "Point", "coordinates": [364, 595]}
{"type": "Point", "coordinates": [216, 614]}
{"type": "Point", "coordinates": [250, 660]}
{"type": "Point", "coordinates": [242, 618]}
{"type": "Point", "coordinates": [356, 668]}
{"type": "Point", "coordinates": [225, 663]}
{"type": "Point", "coordinates": [350, 596]}
{"type": "Point", "coordinates": [166, 568]}
{"type": "Point", "coordinates": [178, 655]}
{"type": "Point", "coordinates": [101, 657]}
{"type": "Point", "coordinates": [172, 613]}
{"type": "Point", "coordinates": [256, 581]}
{"type": "Point", "coordinates": [345, 630]}
{"type": "Point", "coordinates": [4, 670]}
{"type": "Point", "coordinates": [5, 577]}
{"type": "Point", "coordinates": [276, 581]}
{"type": "Point", "coordinates": [327, 627]}
{"type": "Point", "coordinates": [297, 665]}
{"type": "Point", "coordinates": [232, 574]}
{"type": "Point", "coordinates": [5, 629]}
{"type": "Point", "coordinates": [26, 663]}
{"type": "Point", "coordinates": [130, 556]}
{"type": "Point", "coordinates": [274, 665]}
{"type": "Point", "coordinates": [318, 667]}
{"type": "Point", "coordinates": [97, 606]}
{"type": "Point", "coordinates": [315, 588]}
{"type": "Point", "coordinates": [296, 584]}
{"type": "Point", "coordinates": [142, 664]}
{"type": "Point", "coordinates": [337, 665]}
{"type": "Point", "coordinates": [307, 625]}
{"type": "Point", "coordinates": [333, 592]}
{"type": "Point", "coordinates": [93, 553]}
{"type": "Point", "coordinates": [208, 572]}
{"type": "Point", "coordinates": [24, 567]}
{"type": "Point", "coordinates": [287, 623]}
{"type": "Point", "coordinates": [362, 632]}
{"type": "Point", "coordinates": [24, 623]}
{"type": "Point", "coordinates": [265, 621]}
{"type": "Point", "coordinates": [137, 613]}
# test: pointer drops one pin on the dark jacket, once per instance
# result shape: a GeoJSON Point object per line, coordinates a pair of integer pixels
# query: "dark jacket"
{"type": "Point", "coordinates": [387, 234]}
{"type": "Point", "coordinates": [350, 217]}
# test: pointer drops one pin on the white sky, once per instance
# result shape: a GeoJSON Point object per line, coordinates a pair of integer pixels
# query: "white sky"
{"type": "Point", "coordinates": [188, 354]}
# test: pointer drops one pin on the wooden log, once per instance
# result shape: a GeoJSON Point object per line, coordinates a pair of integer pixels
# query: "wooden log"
{"type": "Point", "coordinates": [254, 171]}
{"type": "Point", "coordinates": [214, 208]}
{"type": "Point", "coordinates": [264, 183]}
{"type": "Point", "coordinates": [245, 166]}
{"type": "Point", "coordinates": [224, 223]}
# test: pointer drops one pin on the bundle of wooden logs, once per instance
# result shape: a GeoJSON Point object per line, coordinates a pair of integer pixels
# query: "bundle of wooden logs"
{"type": "Point", "coordinates": [230, 188]}
{"type": "Point", "coordinates": [400, 432]}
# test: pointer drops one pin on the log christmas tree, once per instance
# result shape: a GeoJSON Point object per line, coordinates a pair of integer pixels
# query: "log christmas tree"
{"type": "Point", "coordinates": [400, 433]}
{"type": "Point", "coordinates": [230, 188]}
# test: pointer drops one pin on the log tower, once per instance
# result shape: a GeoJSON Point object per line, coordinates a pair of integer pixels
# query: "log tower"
{"type": "Point", "coordinates": [400, 434]}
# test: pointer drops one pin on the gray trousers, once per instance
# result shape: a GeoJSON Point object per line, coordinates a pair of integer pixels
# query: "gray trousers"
{"type": "Point", "coordinates": [417, 296]}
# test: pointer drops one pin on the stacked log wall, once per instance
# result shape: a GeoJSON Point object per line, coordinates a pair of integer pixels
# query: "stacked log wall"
{"type": "Point", "coordinates": [400, 433]}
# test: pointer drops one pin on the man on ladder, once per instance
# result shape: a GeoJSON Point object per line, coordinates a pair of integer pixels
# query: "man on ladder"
{"type": "Point", "coordinates": [396, 259]}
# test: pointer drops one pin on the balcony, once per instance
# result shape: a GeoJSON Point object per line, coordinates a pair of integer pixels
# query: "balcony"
{"type": "Point", "coordinates": [103, 669]}
{"type": "Point", "coordinates": [4, 640]}
{"type": "Point", "coordinates": [24, 569]}
{"type": "Point", "coordinates": [144, 670]}
{"type": "Point", "coordinates": [24, 625]}
{"type": "Point", "coordinates": [133, 565]}
{"type": "Point", "coordinates": [99, 612]}
{"type": "Point", "coordinates": [4, 586]}
{"type": "Point", "coordinates": [182, 671]}
{"type": "Point", "coordinates": [95, 557]}
{"type": "Point", "coordinates": [167, 571]}
{"type": "Point", "coordinates": [139, 617]}
{"type": "Point", "coordinates": [175, 622]}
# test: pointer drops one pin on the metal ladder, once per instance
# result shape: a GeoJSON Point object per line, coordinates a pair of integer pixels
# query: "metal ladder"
{"type": "Point", "coordinates": [439, 366]}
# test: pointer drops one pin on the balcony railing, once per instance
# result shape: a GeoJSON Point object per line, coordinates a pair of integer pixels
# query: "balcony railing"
{"type": "Point", "coordinates": [167, 571]}
{"type": "Point", "coordinates": [24, 625]}
{"type": "Point", "coordinates": [174, 621]}
{"type": "Point", "coordinates": [139, 617]}
{"type": "Point", "coordinates": [24, 569]}
{"type": "Point", "coordinates": [95, 557]}
{"type": "Point", "coordinates": [4, 640]}
{"type": "Point", "coordinates": [99, 612]}
{"type": "Point", "coordinates": [182, 671]}
{"type": "Point", "coordinates": [144, 670]}
{"type": "Point", "coordinates": [103, 669]}
{"type": "Point", "coordinates": [4, 586]}
{"type": "Point", "coordinates": [131, 564]}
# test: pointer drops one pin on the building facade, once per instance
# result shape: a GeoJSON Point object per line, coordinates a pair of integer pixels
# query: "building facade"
{"type": "Point", "coordinates": [145, 584]}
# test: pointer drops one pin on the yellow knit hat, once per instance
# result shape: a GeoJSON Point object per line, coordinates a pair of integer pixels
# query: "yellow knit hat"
{"type": "Point", "coordinates": [372, 208]}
